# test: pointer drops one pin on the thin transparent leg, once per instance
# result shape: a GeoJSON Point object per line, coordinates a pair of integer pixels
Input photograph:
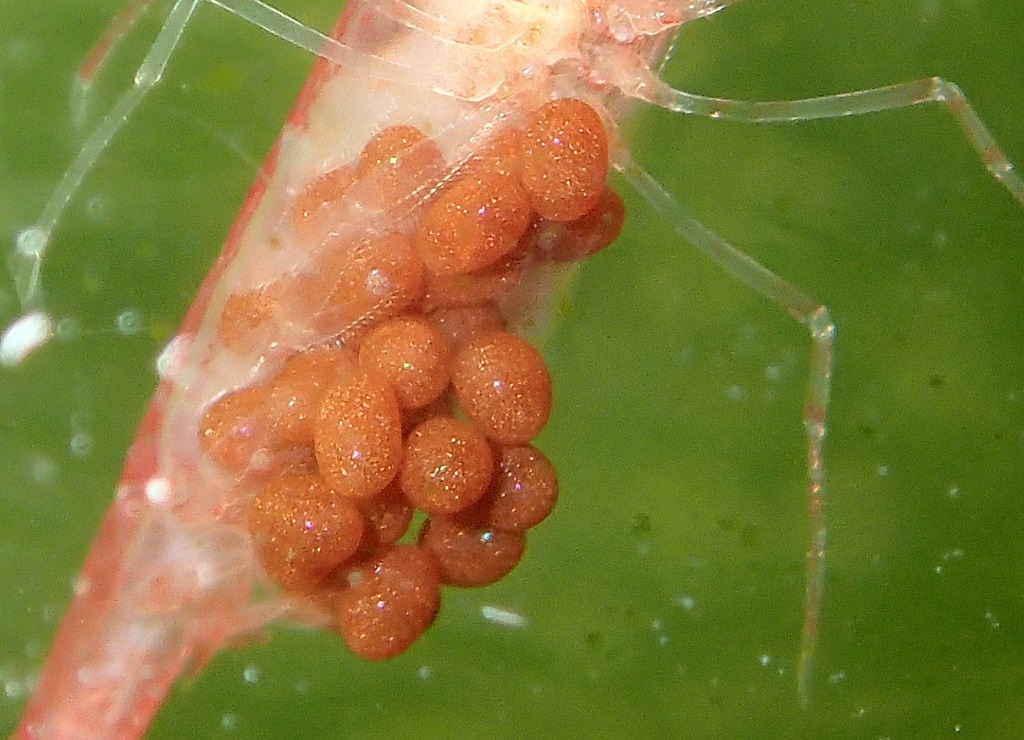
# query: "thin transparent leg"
{"type": "Point", "coordinates": [116, 32]}
{"type": "Point", "coordinates": [816, 318]}
{"type": "Point", "coordinates": [33, 241]}
{"type": "Point", "coordinates": [893, 97]}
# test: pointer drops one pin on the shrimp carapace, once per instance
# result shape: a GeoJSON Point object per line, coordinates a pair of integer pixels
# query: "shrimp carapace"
{"type": "Point", "coordinates": [413, 394]}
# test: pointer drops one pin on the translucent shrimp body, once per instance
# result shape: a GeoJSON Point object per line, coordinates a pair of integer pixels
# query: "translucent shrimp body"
{"type": "Point", "coordinates": [175, 570]}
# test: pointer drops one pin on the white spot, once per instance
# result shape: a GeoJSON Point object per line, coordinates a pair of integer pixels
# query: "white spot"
{"type": "Point", "coordinates": [68, 330]}
{"type": "Point", "coordinates": [883, 470]}
{"type": "Point", "coordinates": [425, 673]}
{"type": "Point", "coordinates": [24, 336]}
{"type": "Point", "coordinates": [301, 686]}
{"type": "Point", "coordinates": [685, 601]}
{"type": "Point", "coordinates": [98, 209]}
{"type": "Point", "coordinates": [836, 677]}
{"type": "Point", "coordinates": [765, 660]}
{"type": "Point", "coordinates": [129, 322]}
{"type": "Point", "coordinates": [13, 688]}
{"type": "Point", "coordinates": [172, 357]}
{"type": "Point", "coordinates": [82, 586]}
{"type": "Point", "coordinates": [736, 393]}
{"type": "Point", "coordinates": [31, 241]}
{"type": "Point", "coordinates": [773, 373]}
{"type": "Point", "coordinates": [992, 621]}
{"type": "Point", "coordinates": [229, 721]}
{"type": "Point", "coordinates": [954, 492]}
{"type": "Point", "coordinates": [504, 617]}
{"type": "Point", "coordinates": [158, 490]}
{"type": "Point", "coordinates": [43, 471]}
{"type": "Point", "coordinates": [81, 444]}
{"type": "Point", "coordinates": [251, 674]}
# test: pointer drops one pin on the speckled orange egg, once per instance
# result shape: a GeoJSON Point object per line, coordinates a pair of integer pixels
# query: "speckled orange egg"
{"type": "Point", "coordinates": [411, 355]}
{"type": "Point", "coordinates": [524, 490]}
{"type": "Point", "coordinates": [471, 223]}
{"type": "Point", "coordinates": [482, 286]}
{"type": "Point", "coordinates": [390, 603]}
{"type": "Point", "coordinates": [577, 240]}
{"type": "Point", "coordinates": [367, 282]}
{"type": "Point", "coordinates": [388, 515]}
{"type": "Point", "coordinates": [235, 431]}
{"type": "Point", "coordinates": [565, 159]}
{"type": "Point", "coordinates": [316, 203]}
{"type": "Point", "coordinates": [244, 316]}
{"type": "Point", "coordinates": [501, 154]}
{"type": "Point", "coordinates": [462, 323]}
{"type": "Point", "coordinates": [358, 436]}
{"type": "Point", "coordinates": [447, 466]}
{"type": "Point", "coordinates": [471, 554]}
{"type": "Point", "coordinates": [503, 385]}
{"type": "Point", "coordinates": [303, 530]}
{"type": "Point", "coordinates": [294, 398]}
{"type": "Point", "coordinates": [404, 163]}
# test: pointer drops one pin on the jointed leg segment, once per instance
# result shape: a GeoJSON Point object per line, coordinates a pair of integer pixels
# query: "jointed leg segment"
{"type": "Point", "coordinates": [815, 317]}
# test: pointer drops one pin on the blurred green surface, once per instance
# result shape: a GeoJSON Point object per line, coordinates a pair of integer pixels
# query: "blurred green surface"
{"type": "Point", "coordinates": [664, 598]}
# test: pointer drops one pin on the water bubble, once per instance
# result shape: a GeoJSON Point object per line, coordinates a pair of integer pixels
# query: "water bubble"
{"type": "Point", "coordinates": [68, 330]}
{"type": "Point", "coordinates": [81, 444]}
{"type": "Point", "coordinates": [43, 471]}
{"type": "Point", "coordinates": [98, 209]}
{"type": "Point", "coordinates": [685, 601]}
{"type": "Point", "coordinates": [129, 322]}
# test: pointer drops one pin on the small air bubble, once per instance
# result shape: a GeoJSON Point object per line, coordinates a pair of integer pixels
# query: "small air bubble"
{"type": "Point", "coordinates": [68, 330]}
{"type": "Point", "coordinates": [129, 322]}
{"type": "Point", "coordinates": [883, 470]}
{"type": "Point", "coordinates": [424, 673]}
{"type": "Point", "coordinates": [229, 721]}
{"type": "Point", "coordinates": [81, 444]}
{"type": "Point", "coordinates": [43, 471]}
{"type": "Point", "coordinates": [251, 674]}
{"type": "Point", "coordinates": [954, 492]}
{"type": "Point", "coordinates": [765, 660]}
{"type": "Point", "coordinates": [98, 209]}
{"type": "Point", "coordinates": [685, 601]}
{"type": "Point", "coordinates": [31, 241]}
{"type": "Point", "coordinates": [14, 689]}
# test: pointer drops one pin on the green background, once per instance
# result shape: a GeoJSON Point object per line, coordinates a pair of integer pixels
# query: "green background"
{"type": "Point", "coordinates": [664, 597]}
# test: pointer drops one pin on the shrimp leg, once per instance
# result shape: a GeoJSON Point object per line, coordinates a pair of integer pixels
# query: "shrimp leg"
{"type": "Point", "coordinates": [874, 100]}
{"type": "Point", "coordinates": [33, 241]}
{"type": "Point", "coordinates": [815, 317]}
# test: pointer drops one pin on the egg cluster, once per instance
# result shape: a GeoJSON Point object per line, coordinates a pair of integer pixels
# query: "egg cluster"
{"type": "Point", "coordinates": [421, 399]}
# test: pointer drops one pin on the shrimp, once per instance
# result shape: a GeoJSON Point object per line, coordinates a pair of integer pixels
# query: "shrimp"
{"type": "Point", "coordinates": [229, 610]}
